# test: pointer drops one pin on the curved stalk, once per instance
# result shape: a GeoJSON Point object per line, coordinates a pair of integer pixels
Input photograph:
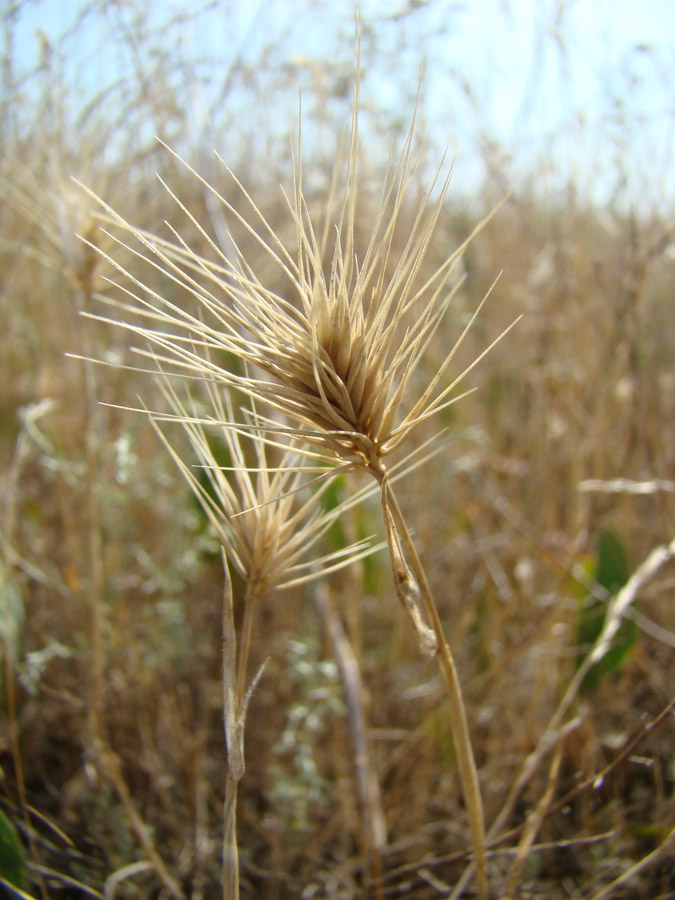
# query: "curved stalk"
{"type": "Point", "coordinates": [398, 537]}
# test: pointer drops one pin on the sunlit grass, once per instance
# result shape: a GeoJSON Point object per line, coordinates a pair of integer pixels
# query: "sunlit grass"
{"type": "Point", "coordinates": [567, 436]}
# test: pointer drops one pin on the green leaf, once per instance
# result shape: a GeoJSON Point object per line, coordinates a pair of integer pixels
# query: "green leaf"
{"type": "Point", "coordinates": [334, 493]}
{"type": "Point", "coordinates": [12, 854]}
{"type": "Point", "coordinates": [611, 570]}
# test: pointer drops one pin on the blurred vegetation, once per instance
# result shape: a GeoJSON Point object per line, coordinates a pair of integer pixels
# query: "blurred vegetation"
{"type": "Point", "coordinates": [555, 480]}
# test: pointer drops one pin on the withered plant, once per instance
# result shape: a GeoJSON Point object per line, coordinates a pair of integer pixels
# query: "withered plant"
{"type": "Point", "coordinates": [268, 522]}
{"type": "Point", "coordinates": [332, 357]}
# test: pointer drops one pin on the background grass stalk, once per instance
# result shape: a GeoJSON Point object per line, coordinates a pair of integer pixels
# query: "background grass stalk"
{"type": "Point", "coordinates": [460, 729]}
{"type": "Point", "coordinates": [93, 522]}
{"type": "Point", "coordinates": [105, 757]}
{"type": "Point", "coordinates": [19, 459]}
{"type": "Point", "coordinates": [113, 770]}
{"type": "Point", "coordinates": [374, 824]}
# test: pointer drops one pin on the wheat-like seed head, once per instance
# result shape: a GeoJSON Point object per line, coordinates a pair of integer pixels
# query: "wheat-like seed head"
{"type": "Point", "coordinates": [61, 212]}
{"type": "Point", "coordinates": [265, 515]}
{"type": "Point", "coordinates": [336, 350]}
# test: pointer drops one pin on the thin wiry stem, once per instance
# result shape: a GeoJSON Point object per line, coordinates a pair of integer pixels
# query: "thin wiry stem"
{"type": "Point", "coordinates": [460, 729]}
{"type": "Point", "coordinates": [375, 832]}
{"type": "Point", "coordinates": [234, 740]}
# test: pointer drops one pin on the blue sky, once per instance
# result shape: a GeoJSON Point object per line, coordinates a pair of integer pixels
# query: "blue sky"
{"type": "Point", "coordinates": [563, 87]}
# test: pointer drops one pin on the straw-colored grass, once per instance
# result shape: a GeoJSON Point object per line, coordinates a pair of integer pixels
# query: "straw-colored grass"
{"type": "Point", "coordinates": [115, 774]}
{"type": "Point", "coordinates": [336, 349]}
{"type": "Point", "coordinates": [267, 524]}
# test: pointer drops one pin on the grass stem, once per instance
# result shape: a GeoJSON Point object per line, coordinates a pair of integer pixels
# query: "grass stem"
{"type": "Point", "coordinates": [460, 729]}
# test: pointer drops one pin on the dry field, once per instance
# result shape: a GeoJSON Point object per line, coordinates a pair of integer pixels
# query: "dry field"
{"type": "Point", "coordinates": [543, 517]}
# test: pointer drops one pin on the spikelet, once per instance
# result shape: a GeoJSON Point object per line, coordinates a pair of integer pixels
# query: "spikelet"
{"type": "Point", "coordinates": [336, 352]}
{"type": "Point", "coordinates": [265, 515]}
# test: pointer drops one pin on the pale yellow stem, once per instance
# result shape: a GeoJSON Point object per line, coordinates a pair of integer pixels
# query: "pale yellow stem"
{"type": "Point", "coordinates": [460, 729]}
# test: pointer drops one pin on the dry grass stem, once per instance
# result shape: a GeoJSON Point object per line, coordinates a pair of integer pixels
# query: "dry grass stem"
{"type": "Point", "coordinates": [533, 824]}
{"type": "Point", "coordinates": [375, 828]}
{"type": "Point", "coordinates": [625, 485]}
{"type": "Point", "coordinates": [234, 709]}
{"type": "Point", "coordinates": [664, 848]}
{"type": "Point", "coordinates": [112, 768]}
{"type": "Point", "coordinates": [8, 591]}
{"type": "Point", "coordinates": [460, 727]}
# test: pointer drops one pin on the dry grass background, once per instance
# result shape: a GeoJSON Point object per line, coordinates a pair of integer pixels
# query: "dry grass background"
{"type": "Point", "coordinates": [112, 581]}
